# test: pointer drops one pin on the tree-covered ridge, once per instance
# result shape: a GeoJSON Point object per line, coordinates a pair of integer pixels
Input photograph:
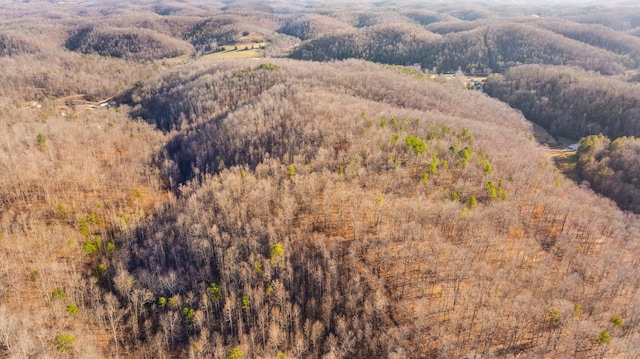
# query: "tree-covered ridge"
{"type": "Point", "coordinates": [570, 102]}
{"type": "Point", "coordinates": [311, 26]}
{"type": "Point", "coordinates": [188, 96]}
{"type": "Point", "coordinates": [597, 35]}
{"type": "Point", "coordinates": [136, 44]}
{"type": "Point", "coordinates": [11, 45]}
{"type": "Point", "coordinates": [621, 16]}
{"type": "Point", "coordinates": [612, 168]}
{"type": "Point", "coordinates": [283, 217]}
{"type": "Point", "coordinates": [202, 100]}
{"type": "Point", "coordinates": [206, 35]}
{"type": "Point", "coordinates": [481, 38]}
{"type": "Point", "coordinates": [328, 190]}
{"type": "Point", "coordinates": [489, 48]}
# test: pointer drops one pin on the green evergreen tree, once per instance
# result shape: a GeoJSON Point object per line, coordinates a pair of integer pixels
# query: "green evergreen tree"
{"type": "Point", "coordinates": [235, 353]}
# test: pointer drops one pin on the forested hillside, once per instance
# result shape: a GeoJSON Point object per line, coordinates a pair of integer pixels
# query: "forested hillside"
{"type": "Point", "coordinates": [478, 39]}
{"type": "Point", "coordinates": [125, 43]}
{"type": "Point", "coordinates": [570, 102]}
{"type": "Point", "coordinates": [14, 45]}
{"type": "Point", "coordinates": [491, 48]}
{"type": "Point", "coordinates": [573, 103]}
{"type": "Point", "coordinates": [612, 167]}
{"type": "Point", "coordinates": [169, 191]}
{"type": "Point", "coordinates": [308, 230]}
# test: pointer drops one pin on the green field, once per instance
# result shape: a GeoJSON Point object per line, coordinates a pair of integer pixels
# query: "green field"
{"type": "Point", "coordinates": [236, 51]}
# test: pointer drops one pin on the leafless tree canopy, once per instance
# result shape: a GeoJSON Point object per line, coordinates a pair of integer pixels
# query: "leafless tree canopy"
{"type": "Point", "coordinates": [162, 197]}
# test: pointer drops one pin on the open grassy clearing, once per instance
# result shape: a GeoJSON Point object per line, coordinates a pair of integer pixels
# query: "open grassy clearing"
{"type": "Point", "coordinates": [240, 50]}
{"type": "Point", "coordinates": [566, 162]}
